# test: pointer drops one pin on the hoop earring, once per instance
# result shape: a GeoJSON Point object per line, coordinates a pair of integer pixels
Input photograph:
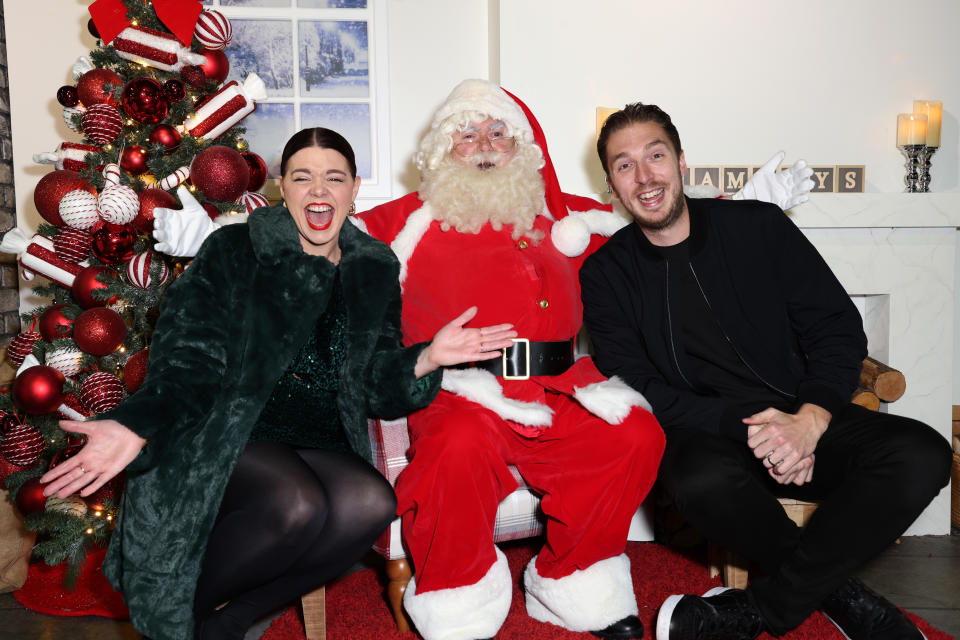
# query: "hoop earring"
{"type": "Point", "coordinates": [352, 210]}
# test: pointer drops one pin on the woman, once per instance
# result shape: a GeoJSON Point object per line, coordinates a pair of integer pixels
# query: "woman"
{"type": "Point", "coordinates": [246, 445]}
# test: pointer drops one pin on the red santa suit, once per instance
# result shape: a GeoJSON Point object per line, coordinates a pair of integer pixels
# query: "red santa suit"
{"type": "Point", "coordinates": [589, 445]}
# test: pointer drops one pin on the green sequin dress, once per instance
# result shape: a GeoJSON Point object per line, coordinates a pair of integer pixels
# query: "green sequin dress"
{"type": "Point", "coordinates": [302, 410]}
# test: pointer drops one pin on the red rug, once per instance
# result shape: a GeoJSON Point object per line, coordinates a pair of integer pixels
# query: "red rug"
{"type": "Point", "coordinates": [357, 610]}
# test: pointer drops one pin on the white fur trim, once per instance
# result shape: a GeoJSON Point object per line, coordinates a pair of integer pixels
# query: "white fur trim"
{"type": "Point", "coordinates": [409, 237]}
{"type": "Point", "coordinates": [571, 235]}
{"type": "Point", "coordinates": [702, 191]}
{"type": "Point", "coordinates": [235, 218]}
{"type": "Point", "coordinates": [463, 613]}
{"type": "Point", "coordinates": [586, 600]}
{"type": "Point", "coordinates": [482, 387]}
{"type": "Point", "coordinates": [483, 96]}
{"type": "Point", "coordinates": [610, 399]}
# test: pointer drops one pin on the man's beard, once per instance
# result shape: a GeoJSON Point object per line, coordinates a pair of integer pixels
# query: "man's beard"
{"type": "Point", "coordinates": [465, 197]}
{"type": "Point", "coordinates": [676, 210]}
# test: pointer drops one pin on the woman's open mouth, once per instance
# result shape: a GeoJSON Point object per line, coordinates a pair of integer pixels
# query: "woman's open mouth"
{"type": "Point", "coordinates": [319, 215]}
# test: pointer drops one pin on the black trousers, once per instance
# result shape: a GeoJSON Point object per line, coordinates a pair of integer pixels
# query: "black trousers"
{"type": "Point", "coordinates": [874, 473]}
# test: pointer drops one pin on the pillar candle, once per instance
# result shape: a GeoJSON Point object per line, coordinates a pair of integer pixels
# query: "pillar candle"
{"type": "Point", "coordinates": [933, 109]}
{"type": "Point", "coordinates": [911, 129]}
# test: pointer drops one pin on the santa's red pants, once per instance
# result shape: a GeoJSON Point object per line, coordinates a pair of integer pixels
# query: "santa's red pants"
{"type": "Point", "coordinates": [592, 476]}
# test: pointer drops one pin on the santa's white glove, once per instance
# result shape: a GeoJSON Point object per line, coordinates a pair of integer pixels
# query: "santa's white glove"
{"type": "Point", "coordinates": [786, 189]}
{"type": "Point", "coordinates": [180, 232]}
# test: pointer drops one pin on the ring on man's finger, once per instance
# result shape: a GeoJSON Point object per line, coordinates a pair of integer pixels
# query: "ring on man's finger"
{"type": "Point", "coordinates": [82, 470]}
{"type": "Point", "coordinates": [769, 457]}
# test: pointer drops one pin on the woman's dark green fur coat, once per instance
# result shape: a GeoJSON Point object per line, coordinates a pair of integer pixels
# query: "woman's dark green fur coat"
{"type": "Point", "coordinates": [231, 324]}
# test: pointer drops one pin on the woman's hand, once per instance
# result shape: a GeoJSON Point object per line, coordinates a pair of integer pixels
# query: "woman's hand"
{"type": "Point", "coordinates": [455, 344]}
{"type": "Point", "coordinates": [109, 449]}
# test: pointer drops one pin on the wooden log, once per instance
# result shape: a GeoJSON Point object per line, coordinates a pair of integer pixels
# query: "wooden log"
{"type": "Point", "coordinates": [866, 399]}
{"type": "Point", "coordinates": [888, 383]}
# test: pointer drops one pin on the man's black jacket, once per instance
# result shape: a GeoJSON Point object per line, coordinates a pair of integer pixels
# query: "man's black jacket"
{"type": "Point", "coordinates": [773, 296]}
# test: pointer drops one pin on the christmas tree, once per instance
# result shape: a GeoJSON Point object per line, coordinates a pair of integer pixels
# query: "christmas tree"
{"type": "Point", "coordinates": [152, 115]}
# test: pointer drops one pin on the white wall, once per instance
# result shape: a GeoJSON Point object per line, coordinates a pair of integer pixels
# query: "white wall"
{"type": "Point", "coordinates": [823, 80]}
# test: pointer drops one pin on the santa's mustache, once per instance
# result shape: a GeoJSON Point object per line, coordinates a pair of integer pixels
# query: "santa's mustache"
{"type": "Point", "coordinates": [484, 159]}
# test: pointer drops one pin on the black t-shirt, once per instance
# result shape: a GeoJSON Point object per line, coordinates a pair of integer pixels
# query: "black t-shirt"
{"type": "Point", "coordinates": [715, 367]}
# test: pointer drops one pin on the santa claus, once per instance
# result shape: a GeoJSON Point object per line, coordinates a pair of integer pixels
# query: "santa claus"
{"type": "Point", "coordinates": [491, 227]}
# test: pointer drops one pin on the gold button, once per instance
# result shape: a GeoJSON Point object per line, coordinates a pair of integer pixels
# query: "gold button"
{"type": "Point", "coordinates": [544, 303]}
{"type": "Point", "coordinates": [523, 244]}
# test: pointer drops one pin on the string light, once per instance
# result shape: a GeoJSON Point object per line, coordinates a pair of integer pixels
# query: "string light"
{"type": "Point", "coordinates": [89, 532]}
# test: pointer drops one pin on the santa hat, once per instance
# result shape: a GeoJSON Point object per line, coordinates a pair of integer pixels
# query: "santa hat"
{"type": "Point", "coordinates": [483, 96]}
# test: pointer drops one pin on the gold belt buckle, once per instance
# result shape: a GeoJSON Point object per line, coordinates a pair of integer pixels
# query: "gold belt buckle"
{"type": "Point", "coordinates": [503, 359]}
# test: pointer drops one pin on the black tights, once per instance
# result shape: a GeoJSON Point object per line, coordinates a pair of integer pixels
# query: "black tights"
{"type": "Point", "coordinates": [290, 521]}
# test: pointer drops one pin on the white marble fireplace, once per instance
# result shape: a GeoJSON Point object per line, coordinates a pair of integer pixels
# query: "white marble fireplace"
{"type": "Point", "coordinates": [896, 255]}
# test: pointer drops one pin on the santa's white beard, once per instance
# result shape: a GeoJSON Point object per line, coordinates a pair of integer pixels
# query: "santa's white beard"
{"type": "Point", "coordinates": [465, 197]}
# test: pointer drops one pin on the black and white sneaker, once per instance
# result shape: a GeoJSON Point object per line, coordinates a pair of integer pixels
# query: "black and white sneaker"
{"type": "Point", "coordinates": [719, 614]}
{"type": "Point", "coordinates": [861, 614]}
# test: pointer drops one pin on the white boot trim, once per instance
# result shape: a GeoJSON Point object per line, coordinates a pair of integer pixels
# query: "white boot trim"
{"type": "Point", "coordinates": [463, 613]}
{"type": "Point", "coordinates": [586, 600]}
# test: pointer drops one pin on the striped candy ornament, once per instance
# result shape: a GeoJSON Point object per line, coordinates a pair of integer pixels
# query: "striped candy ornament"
{"type": "Point", "coordinates": [101, 392]}
{"type": "Point", "coordinates": [72, 245]}
{"type": "Point", "coordinates": [66, 360]}
{"type": "Point", "coordinates": [118, 204]}
{"type": "Point", "coordinates": [21, 346]}
{"type": "Point", "coordinates": [174, 179]}
{"type": "Point", "coordinates": [22, 445]}
{"type": "Point", "coordinates": [78, 210]}
{"type": "Point", "coordinates": [138, 270]}
{"type": "Point", "coordinates": [111, 174]}
{"type": "Point", "coordinates": [213, 30]}
{"type": "Point", "coordinates": [102, 123]}
{"type": "Point", "coordinates": [253, 200]}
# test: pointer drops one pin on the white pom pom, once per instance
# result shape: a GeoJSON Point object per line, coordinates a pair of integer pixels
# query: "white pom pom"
{"type": "Point", "coordinates": [78, 209]}
{"type": "Point", "coordinates": [570, 235]}
{"type": "Point", "coordinates": [118, 204]}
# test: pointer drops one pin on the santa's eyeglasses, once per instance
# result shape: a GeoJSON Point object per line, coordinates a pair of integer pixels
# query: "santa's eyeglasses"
{"type": "Point", "coordinates": [472, 141]}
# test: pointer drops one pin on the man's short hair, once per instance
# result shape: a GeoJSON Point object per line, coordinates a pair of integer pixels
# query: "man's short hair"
{"type": "Point", "coordinates": [632, 114]}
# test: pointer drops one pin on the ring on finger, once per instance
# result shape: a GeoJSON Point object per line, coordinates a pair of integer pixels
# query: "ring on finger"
{"type": "Point", "coordinates": [82, 470]}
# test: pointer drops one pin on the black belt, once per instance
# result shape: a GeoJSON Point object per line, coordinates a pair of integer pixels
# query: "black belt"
{"type": "Point", "coordinates": [527, 358]}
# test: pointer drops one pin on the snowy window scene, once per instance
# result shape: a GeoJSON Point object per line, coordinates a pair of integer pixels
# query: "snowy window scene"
{"type": "Point", "coordinates": [319, 62]}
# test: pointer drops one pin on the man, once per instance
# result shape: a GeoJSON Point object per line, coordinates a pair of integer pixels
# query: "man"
{"type": "Point", "coordinates": [730, 323]}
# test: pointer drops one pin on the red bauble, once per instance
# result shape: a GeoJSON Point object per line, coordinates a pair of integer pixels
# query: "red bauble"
{"type": "Point", "coordinates": [193, 75]}
{"type": "Point", "coordinates": [30, 498]}
{"type": "Point", "coordinates": [51, 189]}
{"type": "Point", "coordinates": [134, 160]}
{"type": "Point", "coordinates": [150, 199]}
{"type": "Point", "coordinates": [113, 243]}
{"type": "Point", "coordinates": [221, 173]}
{"type": "Point", "coordinates": [217, 66]}
{"type": "Point", "coordinates": [144, 100]}
{"type": "Point", "coordinates": [213, 30]}
{"type": "Point", "coordinates": [174, 90]}
{"type": "Point", "coordinates": [253, 201]}
{"type": "Point", "coordinates": [258, 170]}
{"type": "Point", "coordinates": [72, 245]}
{"type": "Point", "coordinates": [21, 346]}
{"type": "Point", "coordinates": [22, 445]}
{"type": "Point", "coordinates": [53, 324]}
{"type": "Point", "coordinates": [102, 123]}
{"type": "Point", "coordinates": [68, 96]}
{"type": "Point", "coordinates": [91, 87]}
{"type": "Point", "coordinates": [87, 282]}
{"type": "Point", "coordinates": [99, 331]}
{"type": "Point", "coordinates": [73, 401]}
{"type": "Point", "coordinates": [92, 28]}
{"type": "Point", "coordinates": [166, 135]}
{"type": "Point", "coordinates": [101, 392]}
{"type": "Point", "coordinates": [8, 421]}
{"type": "Point", "coordinates": [135, 370]}
{"type": "Point", "coordinates": [38, 390]}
